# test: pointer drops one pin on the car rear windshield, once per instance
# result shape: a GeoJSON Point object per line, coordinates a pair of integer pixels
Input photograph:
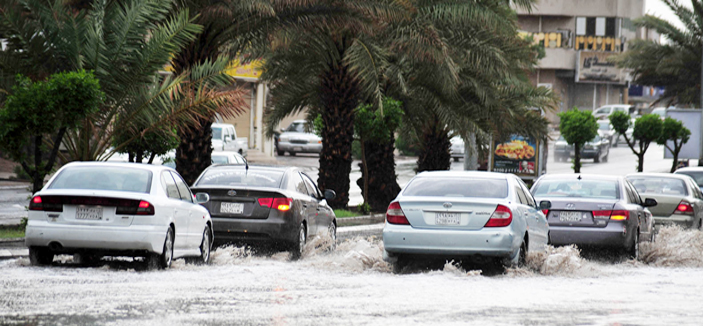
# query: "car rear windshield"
{"type": "Point", "coordinates": [219, 159]}
{"type": "Point", "coordinates": [698, 176]}
{"type": "Point", "coordinates": [241, 178]}
{"type": "Point", "coordinates": [607, 189]}
{"type": "Point", "coordinates": [103, 178]}
{"type": "Point", "coordinates": [457, 187]}
{"type": "Point", "coordinates": [661, 186]}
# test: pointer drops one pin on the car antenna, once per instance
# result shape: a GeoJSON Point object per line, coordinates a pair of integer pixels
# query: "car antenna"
{"type": "Point", "coordinates": [246, 166]}
{"type": "Point", "coordinates": [579, 177]}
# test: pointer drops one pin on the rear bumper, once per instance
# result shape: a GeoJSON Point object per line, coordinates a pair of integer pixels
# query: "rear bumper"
{"type": "Point", "coordinates": [493, 242]}
{"type": "Point", "coordinates": [272, 229]}
{"type": "Point", "coordinates": [684, 221]}
{"type": "Point", "coordinates": [299, 148]}
{"type": "Point", "coordinates": [613, 235]}
{"type": "Point", "coordinates": [148, 238]}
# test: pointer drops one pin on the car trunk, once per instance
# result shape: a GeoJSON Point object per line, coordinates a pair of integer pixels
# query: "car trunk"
{"type": "Point", "coordinates": [666, 205]}
{"type": "Point", "coordinates": [448, 213]}
{"type": "Point", "coordinates": [578, 212]}
{"type": "Point", "coordinates": [96, 208]}
{"type": "Point", "coordinates": [238, 202]}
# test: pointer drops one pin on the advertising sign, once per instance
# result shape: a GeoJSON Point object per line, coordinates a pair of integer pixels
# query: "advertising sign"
{"type": "Point", "coordinates": [594, 67]}
{"type": "Point", "coordinates": [519, 155]}
{"type": "Point", "coordinates": [691, 119]}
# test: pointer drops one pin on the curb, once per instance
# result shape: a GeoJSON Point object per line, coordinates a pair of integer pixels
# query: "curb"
{"type": "Point", "coordinates": [360, 220]}
{"type": "Point", "coordinates": [18, 187]}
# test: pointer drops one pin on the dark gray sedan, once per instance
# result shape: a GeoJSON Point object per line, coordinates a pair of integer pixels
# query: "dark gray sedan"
{"type": "Point", "coordinates": [276, 205]}
{"type": "Point", "coordinates": [595, 210]}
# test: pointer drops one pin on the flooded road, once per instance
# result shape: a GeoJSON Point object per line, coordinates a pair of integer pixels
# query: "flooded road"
{"type": "Point", "coordinates": [353, 286]}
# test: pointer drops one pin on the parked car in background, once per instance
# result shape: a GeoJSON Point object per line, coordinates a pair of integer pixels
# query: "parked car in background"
{"type": "Point", "coordinates": [227, 157]}
{"type": "Point", "coordinates": [96, 209]}
{"type": "Point", "coordinates": [606, 131]}
{"type": "Point", "coordinates": [224, 138]}
{"type": "Point", "coordinates": [295, 139]}
{"type": "Point", "coordinates": [464, 214]}
{"type": "Point", "coordinates": [595, 210]}
{"type": "Point", "coordinates": [679, 200]}
{"type": "Point", "coordinates": [259, 204]}
{"type": "Point", "coordinates": [661, 112]}
{"type": "Point", "coordinates": [694, 172]}
{"type": "Point", "coordinates": [457, 148]}
{"type": "Point", "coordinates": [597, 149]}
{"type": "Point", "coordinates": [605, 111]}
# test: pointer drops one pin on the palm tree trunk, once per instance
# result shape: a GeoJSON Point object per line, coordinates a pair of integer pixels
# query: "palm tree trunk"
{"type": "Point", "coordinates": [194, 153]}
{"type": "Point", "coordinates": [383, 181]}
{"type": "Point", "coordinates": [577, 158]}
{"type": "Point", "coordinates": [339, 94]}
{"type": "Point", "coordinates": [434, 153]}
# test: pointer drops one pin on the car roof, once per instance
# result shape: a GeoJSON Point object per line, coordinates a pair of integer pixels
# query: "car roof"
{"type": "Point", "coordinates": [143, 166]}
{"type": "Point", "coordinates": [222, 125]}
{"type": "Point", "coordinates": [256, 167]}
{"type": "Point", "coordinates": [459, 174]}
{"type": "Point", "coordinates": [615, 106]}
{"type": "Point", "coordinates": [691, 169]}
{"type": "Point", "coordinates": [225, 153]}
{"type": "Point", "coordinates": [660, 175]}
{"type": "Point", "coordinates": [582, 176]}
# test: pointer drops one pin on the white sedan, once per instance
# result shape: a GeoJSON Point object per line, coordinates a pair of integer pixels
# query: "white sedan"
{"type": "Point", "coordinates": [96, 209]}
{"type": "Point", "coordinates": [479, 215]}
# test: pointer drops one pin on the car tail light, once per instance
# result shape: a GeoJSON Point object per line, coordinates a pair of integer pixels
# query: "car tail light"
{"type": "Point", "coordinates": [545, 212]}
{"type": "Point", "coordinates": [620, 215]}
{"type": "Point", "coordinates": [602, 214]}
{"type": "Point", "coordinates": [684, 208]}
{"type": "Point", "coordinates": [145, 208]}
{"type": "Point", "coordinates": [395, 215]}
{"type": "Point", "coordinates": [282, 204]}
{"type": "Point", "coordinates": [502, 216]}
{"type": "Point", "coordinates": [48, 204]}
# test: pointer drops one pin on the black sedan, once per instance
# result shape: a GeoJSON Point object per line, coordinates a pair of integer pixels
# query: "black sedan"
{"type": "Point", "coordinates": [262, 204]}
{"type": "Point", "coordinates": [597, 149]}
{"type": "Point", "coordinates": [595, 210]}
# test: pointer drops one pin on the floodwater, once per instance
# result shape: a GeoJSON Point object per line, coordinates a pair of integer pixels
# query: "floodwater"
{"type": "Point", "coordinates": [353, 286]}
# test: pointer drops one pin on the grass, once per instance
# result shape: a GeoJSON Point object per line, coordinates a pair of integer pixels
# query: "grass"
{"type": "Point", "coordinates": [342, 213]}
{"type": "Point", "coordinates": [11, 233]}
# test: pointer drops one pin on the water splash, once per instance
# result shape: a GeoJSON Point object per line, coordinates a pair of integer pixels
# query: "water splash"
{"type": "Point", "coordinates": [231, 255]}
{"type": "Point", "coordinates": [352, 255]}
{"type": "Point", "coordinates": [674, 247]}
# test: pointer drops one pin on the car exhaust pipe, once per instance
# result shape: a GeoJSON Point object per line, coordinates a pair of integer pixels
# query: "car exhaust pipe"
{"type": "Point", "coordinates": [55, 246]}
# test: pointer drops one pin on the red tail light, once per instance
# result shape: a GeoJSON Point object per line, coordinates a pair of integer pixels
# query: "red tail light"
{"type": "Point", "coordinates": [35, 204]}
{"type": "Point", "coordinates": [501, 217]}
{"type": "Point", "coordinates": [684, 208]}
{"type": "Point", "coordinates": [48, 204]}
{"type": "Point", "coordinates": [395, 215]}
{"type": "Point", "coordinates": [281, 204]}
{"type": "Point", "coordinates": [145, 208]}
{"type": "Point", "coordinates": [602, 214]}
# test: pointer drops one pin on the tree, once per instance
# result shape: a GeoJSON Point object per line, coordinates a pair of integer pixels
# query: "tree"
{"type": "Point", "coordinates": [578, 127]}
{"type": "Point", "coordinates": [674, 131]}
{"type": "Point", "coordinates": [675, 64]}
{"type": "Point", "coordinates": [149, 145]}
{"type": "Point", "coordinates": [648, 128]}
{"type": "Point", "coordinates": [375, 129]}
{"type": "Point", "coordinates": [51, 107]}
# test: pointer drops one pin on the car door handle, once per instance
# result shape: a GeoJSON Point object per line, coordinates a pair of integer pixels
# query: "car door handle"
{"type": "Point", "coordinates": [305, 205]}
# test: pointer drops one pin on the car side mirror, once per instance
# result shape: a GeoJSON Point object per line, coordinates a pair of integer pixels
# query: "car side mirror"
{"type": "Point", "coordinates": [649, 202]}
{"type": "Point", "coordinates": [330, 194]}
{"type": "Point", "coordinates": [202, 198]}
{"type": "Point", "coordinates": [283, 129]}
{"type": "Point", "coordinates": [545, 204]}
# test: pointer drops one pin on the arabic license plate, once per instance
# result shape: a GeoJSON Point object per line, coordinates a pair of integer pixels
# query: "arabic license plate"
{"type": "Point", "coordinates": [570, 216]}
{"type": "Point", "coordinates": [297, 149]}
{"type": "Point", "coordinates": [89, 213]}
{"type": "Point", "coordinates": [232, 208]}
{"type": "Point", "coordinates": [447, 218]}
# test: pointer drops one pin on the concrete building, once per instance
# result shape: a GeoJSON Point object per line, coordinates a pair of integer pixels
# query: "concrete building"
{"type": "Point", "coordinates": [578, 37]}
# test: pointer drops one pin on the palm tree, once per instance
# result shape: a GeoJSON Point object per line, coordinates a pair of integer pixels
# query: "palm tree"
{"type": "Point", "coordinates": [674, 65]}
{"type": "Point", "coordinates": [126, 44]}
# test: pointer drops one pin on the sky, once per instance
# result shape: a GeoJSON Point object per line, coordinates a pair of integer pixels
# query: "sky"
{"type": "Point", "coordinates": [659, 9]}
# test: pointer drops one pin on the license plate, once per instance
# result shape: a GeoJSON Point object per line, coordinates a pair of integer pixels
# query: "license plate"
{"type": "Point", "coordinates": [232, 208]}
{"type": "Point", "coordinates": [447, 218]}
{"type": "Point", "coordinates": [570, 216]}
{"type": "Point", "coordinates": [297, 149]}
{"type": "Point", "coordinates": [89, 213]}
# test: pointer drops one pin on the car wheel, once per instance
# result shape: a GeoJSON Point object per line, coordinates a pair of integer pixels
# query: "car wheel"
{"type": "Point", "coordinates": [299, 245]}
{"type": "Point", "coordinates": [164, 260]}
{"type": "Point", "coordinates": [456, 159]}
{"type": "Point", "coordinates": [597, 158]}
{"type": "Point", "coordinates": [634, 251]}
{"type": "Point", "coordinates": [281, 153]}
{"type": "Point", "coordinates": [332, 231]}
{"type": "Point", "coordinates": [86, 259]}
{"type": "Point", "coordinates": [39, 256]}
{"type": "Point", "coordinates": [520, 258]}
{"type": "Point", "coordinates": [205, 246]}
{"type": "Point", "coordinates": [399, 264]}
{"type": "Point", "coordinates": [291, 153]}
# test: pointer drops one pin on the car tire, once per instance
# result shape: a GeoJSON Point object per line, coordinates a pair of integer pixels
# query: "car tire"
{"type": "Point", "coordinates": [597, 158]}
{"type": "Point", "coordinates": [298, 246]}
{"type": "Point", "coordinates": [456, 159]}
{"type": "Point", "coordinates": [332, 232]}
{"type": "Point", "coordinates": [86, 259]}
{"type": "Point", "coordinates": [634, 251]}
{"type": "Point", "coordinates": [205, 248]}
{"type": "Point", "coordinates": [291, 153]}
{"type": "Point", "coordinates": [281, 153]}
{"type": "Point", "coordinates": [40, 256]}
{"type": "Point", "coordinates": [399, 264]}
{"type": "Point", "coordinates": [163, 260]}
{"type": "Point", "coordinates": [520, 258]}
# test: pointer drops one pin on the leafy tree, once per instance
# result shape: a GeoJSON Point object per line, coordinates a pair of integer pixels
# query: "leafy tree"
{"type": "Point", "coordinates": [376, 129]}
{"type": "Point", "coordinates": [648, 128]}
{"type": "Point", "coordinates": [148, 146]}
{"type": "Point", "coordinates": [675, 64]}
{"type": "Point", "coordinates": [673, 130]}
{"type": "Point", "coordinates": [578, 127]}
{"type": "Point", "coordinates": [51, 107]}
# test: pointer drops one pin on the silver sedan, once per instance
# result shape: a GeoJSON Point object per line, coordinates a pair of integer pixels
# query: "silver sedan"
{"type": "Point", "coordinates": [457, 214]}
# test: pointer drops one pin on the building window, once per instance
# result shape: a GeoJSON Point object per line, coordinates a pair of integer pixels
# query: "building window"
{"type": "Point", "coordinates": [597, 34]}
